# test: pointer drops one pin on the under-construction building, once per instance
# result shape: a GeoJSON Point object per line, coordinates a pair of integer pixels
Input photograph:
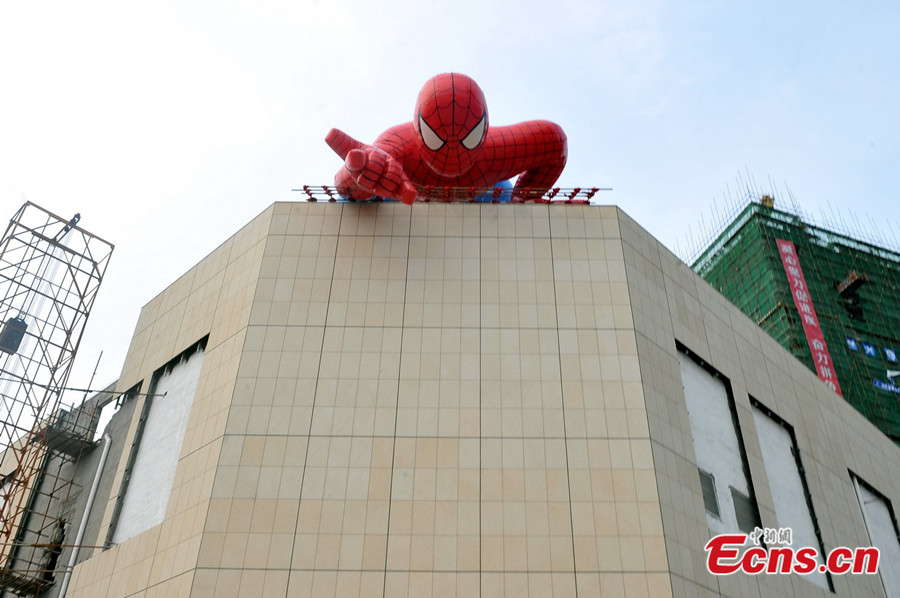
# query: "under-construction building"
{"type": "Point", "coordinates": [849, 287]}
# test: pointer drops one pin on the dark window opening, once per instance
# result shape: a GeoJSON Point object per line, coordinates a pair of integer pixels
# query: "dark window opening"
{"type": "Point", "coordinates": [848, 289]}
{"type": "Point", "coordinates": [708, 485]}
{"type": "Point", "coordinates": [54, 550]}
{"type": "Point", "coordinates": [745, 511]}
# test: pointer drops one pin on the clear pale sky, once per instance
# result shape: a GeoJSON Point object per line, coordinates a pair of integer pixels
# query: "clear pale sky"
{"type": "Point", "coordinates": [169, 125]}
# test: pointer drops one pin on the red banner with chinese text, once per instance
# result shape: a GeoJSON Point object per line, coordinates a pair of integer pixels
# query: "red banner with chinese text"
{"type": "Point", "coordinates": [803, 302]}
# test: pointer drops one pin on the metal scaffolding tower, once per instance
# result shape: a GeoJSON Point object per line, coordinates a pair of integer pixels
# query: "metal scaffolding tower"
{"type": "Point", "coordinates": [50, 271]}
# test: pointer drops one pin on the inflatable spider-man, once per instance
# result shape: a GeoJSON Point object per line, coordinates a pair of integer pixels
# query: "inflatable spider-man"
{"type": "Point", "coordinates": [449, 144]}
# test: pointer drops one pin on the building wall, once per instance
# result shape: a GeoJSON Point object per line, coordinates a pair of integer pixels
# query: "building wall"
{"type": "Point", "coordinates": [461, 399]}
{"type": "Point", "coordinates": [414, 410]}
{"type": "Point", "coordinates": [116, 433]}
{"type": "Point", "coordinates": [672, 303]}
{"type": "Point", "coordinates": [212, 298]}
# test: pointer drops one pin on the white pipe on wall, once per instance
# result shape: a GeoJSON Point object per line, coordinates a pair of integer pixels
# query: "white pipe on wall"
{"type": "Point", "coordinates": [84, 518]}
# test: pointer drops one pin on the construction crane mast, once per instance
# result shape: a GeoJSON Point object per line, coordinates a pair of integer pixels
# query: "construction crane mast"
{"type": "Point", "coordinates": [50, 272]}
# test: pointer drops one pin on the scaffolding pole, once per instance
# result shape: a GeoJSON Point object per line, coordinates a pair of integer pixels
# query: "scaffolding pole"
{"type": "Point", "coordinates": [50, 272]}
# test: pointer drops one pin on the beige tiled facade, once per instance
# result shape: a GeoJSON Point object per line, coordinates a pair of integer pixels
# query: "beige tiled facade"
{"type": "Point", "coordinates": [462, 400]}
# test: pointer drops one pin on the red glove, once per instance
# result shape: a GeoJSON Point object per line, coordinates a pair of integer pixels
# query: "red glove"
{"type": "Point", "coordinates": [368, 170]}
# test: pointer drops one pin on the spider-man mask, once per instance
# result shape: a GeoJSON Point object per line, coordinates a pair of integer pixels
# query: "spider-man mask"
{"type": "Point", "coordinates": [452, 120]}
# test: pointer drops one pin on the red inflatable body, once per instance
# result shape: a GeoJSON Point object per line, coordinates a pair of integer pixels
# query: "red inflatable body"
{"type": "Point", "coordinates": [449, 144]}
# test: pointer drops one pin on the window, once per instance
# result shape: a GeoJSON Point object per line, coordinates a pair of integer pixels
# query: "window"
{"type": "Point", "coordinates": [744, 511]}
{"type": "Point", "coordinates": [881, 525]}
{"type": "Point", "coordinates": [787, 483]}
{"type": "Point", "coordinates": [708, 486]}
{"type": "Point", "coordinates": [721, 460]}
{"type": "Point", "coordinates": [144, 494]}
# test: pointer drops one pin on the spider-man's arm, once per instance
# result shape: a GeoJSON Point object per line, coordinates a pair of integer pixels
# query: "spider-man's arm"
{"type": "Point", "coordinates": [368, 170]}
{"type": "Point", "coordinates": [535, 150]}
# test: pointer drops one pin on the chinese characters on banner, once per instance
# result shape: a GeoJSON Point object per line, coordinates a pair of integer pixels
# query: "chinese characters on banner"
{"type": "Point", "coordinates": [807, 312]}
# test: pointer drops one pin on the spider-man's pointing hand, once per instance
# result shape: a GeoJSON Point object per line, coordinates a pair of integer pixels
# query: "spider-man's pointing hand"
{"type": "Point", "coordinates": [368, 170]}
